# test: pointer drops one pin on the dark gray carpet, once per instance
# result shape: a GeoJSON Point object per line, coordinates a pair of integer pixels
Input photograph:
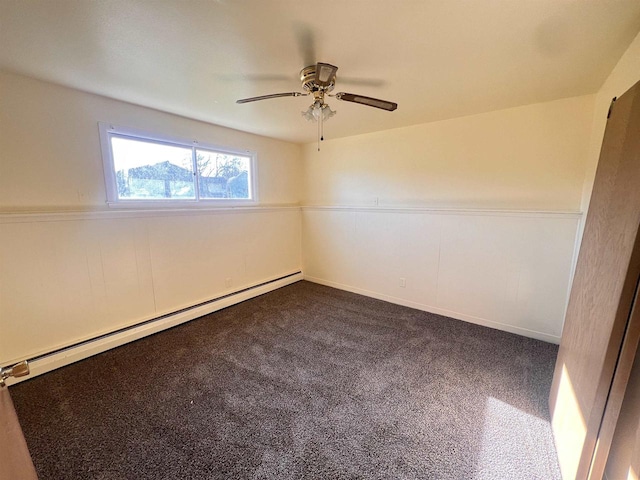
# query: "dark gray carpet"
{"type": "Point", "coordinates": [304, 382]}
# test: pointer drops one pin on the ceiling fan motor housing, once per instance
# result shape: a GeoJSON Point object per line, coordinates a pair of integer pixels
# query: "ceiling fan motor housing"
{"type": "Point", "coordinates": [308, 79]}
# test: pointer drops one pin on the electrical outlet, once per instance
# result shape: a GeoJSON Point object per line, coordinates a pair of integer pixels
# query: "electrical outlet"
{"type": "Point", "coordinates": [375, 201]}
{"type": "Point", "coordinates": [403, 282]}
{"type": "Point", "coordinates": [227, 282]}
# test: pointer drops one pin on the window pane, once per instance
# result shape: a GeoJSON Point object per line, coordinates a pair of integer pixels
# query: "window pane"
{"type": "Point", "coordinates": [223, 175]}
{"type": "Point", "coordinates": [146, 170]}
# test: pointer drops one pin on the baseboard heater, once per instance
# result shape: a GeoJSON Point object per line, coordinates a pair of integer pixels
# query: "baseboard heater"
{"type": "Point", "coordinates": [78, 351]}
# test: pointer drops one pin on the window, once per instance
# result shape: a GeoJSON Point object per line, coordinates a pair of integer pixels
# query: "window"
{"type": "Point", "coordinates": [142, 168]}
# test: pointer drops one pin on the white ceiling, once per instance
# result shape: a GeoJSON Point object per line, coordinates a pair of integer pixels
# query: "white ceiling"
{"type": "Point", "coordinates": [436, 58]}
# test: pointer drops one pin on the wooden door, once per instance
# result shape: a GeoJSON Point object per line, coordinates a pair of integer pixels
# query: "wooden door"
{"type": "Point", "coordinates": [600, 303]}
{"type": "Point", "coordinates": [616, 421]}
{"type": "Point", "coordinates": [15, 461]}
{"type": "Point", "coordinates": [623, 457]}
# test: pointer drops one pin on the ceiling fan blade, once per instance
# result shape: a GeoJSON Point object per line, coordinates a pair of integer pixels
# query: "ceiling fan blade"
{"type": "Point", "coordinates": [325, 74]}
{"type": "Point", "coordinates": [306, 42]}
{"type": "Point", "coordinates": [255, 77]}
{"type": "Point", "coordinates": [371, 102]}
{"type": "Point", "coordinates": [273, 95]}
{"type": "Point", "coordinates": [362, 82]}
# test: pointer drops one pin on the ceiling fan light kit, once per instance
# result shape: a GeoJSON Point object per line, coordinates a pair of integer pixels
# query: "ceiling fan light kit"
{"type": "Point", "coordinates": [318, 112]}
{"type": "Point", "coordinates": [318, 80]}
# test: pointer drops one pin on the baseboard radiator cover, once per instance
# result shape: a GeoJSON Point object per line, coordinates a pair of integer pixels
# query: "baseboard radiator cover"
{"type": "Point", "coordinates": [73, 353]}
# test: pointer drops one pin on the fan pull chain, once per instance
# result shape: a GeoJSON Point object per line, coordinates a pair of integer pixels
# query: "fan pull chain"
{"type": "Point", "coordinates": [319, 125]}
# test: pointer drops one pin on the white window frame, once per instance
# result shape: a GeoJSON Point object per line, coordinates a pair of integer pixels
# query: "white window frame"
{"type": "Point", "coordinates": [107, 130]}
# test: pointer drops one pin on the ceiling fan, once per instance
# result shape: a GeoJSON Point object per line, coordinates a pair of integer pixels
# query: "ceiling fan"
{"type": "Point", "coordinates": [318, 80]}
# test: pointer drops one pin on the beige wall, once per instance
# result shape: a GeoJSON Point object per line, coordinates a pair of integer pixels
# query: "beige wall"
{"type": "Point", "coordinates": [508, 271]}
{"type": "Point", "coordinates": [68, 276]}
{"type": "Point", "coordinates": [530, 157]}
{"type": "Point", "coordinates": [467, 220]}
{"type": "Point", "coordinates": [50, 146]}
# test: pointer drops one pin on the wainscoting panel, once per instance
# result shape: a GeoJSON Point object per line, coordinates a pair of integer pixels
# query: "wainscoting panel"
{"type": "Point", "coordinates": [504, 269]}
{"type": "Point", "coordinates": [68, 277]}
{"type": "Point", "coordinates": [194, 256]}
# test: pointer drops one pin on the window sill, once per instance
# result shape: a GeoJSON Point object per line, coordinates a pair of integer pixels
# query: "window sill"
{"type": "Point", "coordinates": [181, 204]}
